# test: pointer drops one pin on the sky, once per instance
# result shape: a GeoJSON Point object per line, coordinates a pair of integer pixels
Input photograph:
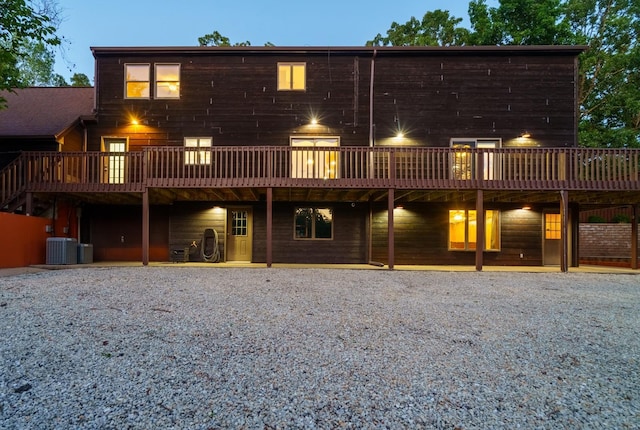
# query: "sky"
{"type": "Point", "coordinates": [284, 23]}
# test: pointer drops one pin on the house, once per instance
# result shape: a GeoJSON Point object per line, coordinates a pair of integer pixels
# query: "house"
{"type": "Point", "coordinates": [393, 155]}
{"type": "Point", "coordinates": [43, 119]}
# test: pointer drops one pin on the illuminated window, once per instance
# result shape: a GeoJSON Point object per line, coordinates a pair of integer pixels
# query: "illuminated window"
{"type": "Point", "coordinates": [239, 223]}
{"type": "Point", "coordinates": [292, 76]}
{"type": "Point", "coordinates": [313, 223]}
{"type": "Point", "coordinates": [462, 230]}
{"type": "Point", "coordinates": [136, 81]}
{"type": "Point", "coordinates": [167, 81]}
{"type": "Point", "coordinates": [552, 226]}
{"type": "Point", "coordinates": [197, 150]}
{"type": "Point", "coordinates": [114, 164]}
{"type": "Point", "coordinates": [463, 163]}
{"type": "Point", "coordinates": [310, 159]}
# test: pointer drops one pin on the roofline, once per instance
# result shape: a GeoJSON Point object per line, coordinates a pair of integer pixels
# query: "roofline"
{"type": "Point", "coordinates": [366, 50]}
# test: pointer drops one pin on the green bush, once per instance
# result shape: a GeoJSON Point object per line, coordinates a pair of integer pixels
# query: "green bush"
{"type": "Point", "coordinates": [596, 218]}
{"type": "Point", "coordinates": [621, 218]}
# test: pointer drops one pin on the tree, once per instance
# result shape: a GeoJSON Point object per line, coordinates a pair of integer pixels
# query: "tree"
{"type": "Point", "coordinates": [21, 26]}
{"type": "Point", "coordinates": [437, 28]}
{"type": "Point", "coordinates": [80, 80]}
{"type": "Point", "coordinates": [518, 22]}
{"type": "Point", "coordinates": [609, 79]}
{"type": "Point", "coordinates": [217, 39]}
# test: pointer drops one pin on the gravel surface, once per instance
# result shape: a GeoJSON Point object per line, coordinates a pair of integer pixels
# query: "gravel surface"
{"type": "Point", "coordinates": [212, 348]}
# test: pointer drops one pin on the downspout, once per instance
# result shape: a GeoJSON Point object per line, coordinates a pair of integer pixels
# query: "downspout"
{"type": "Point", "coordinates": [371, 125]}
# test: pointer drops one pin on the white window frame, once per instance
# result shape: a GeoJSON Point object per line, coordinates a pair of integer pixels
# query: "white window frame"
{"type": "Point", "coordinates": [309, 159]}
{"type": "Point", "coordinates": [127, 81]}
{"type": "Point", "coordinates": [287, 76]}
{"type": "Point", "coordinates": [194, 154]}
{"type": "Point", "coordinates": [463, 165]}
{"type": "Point", "coordinates": [174, 93]}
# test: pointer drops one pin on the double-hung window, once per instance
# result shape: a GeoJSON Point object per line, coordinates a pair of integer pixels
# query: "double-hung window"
{"type": "Point", "coordinates": [292, 76]}
{"type": "Point", "coordinates": [197, 150]}
{"type": "Point", "coordinates": [167, 81]}
{"type": "Point", "coordinates": [463, 230]}
{"type": "Point", "coordinates": [313, 223]}
{"type": "Point", "coordinates": [137, 81]}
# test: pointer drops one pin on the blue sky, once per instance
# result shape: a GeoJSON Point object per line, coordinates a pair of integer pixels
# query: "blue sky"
{"type": "Point", "coordinates": [283, 23]}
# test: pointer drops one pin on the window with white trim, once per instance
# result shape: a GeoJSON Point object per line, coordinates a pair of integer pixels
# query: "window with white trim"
{"type": "Point", "coordinates": [197, 150]}
{"type": "Point", "coordinates": [313, 223]}
{"type": "Point", "coordinates": [463, 230]}
{"type": "Point", "coordinates": [463, 163]}
{"type": "Point", "coordinates": [167, 81]}
{"type": "Point", "coordinates": [137, 81]}
{"type": "Point", "coordinates": [292, 76]}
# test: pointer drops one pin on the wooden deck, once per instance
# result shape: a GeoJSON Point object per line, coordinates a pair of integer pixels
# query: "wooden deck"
{"type": "Point", "coordinates": [344, 168]}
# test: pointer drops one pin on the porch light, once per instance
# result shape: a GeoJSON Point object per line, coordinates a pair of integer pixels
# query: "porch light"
{"type": "Point", "coordinates": [314, 121]}
{"type": "Point", "coordinates": [525, 134]}
{"type": "Point", "coordinates": [134, 121]}
{"type": "Point", "coordinates": [526, 208]}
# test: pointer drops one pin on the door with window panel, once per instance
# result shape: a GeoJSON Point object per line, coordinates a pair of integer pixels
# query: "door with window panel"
{"type": "Point", "coordinates": [314, 158]}
{"type": "Point", "coordinates": [239, 235]}
{"type": "Point", "coordinates": [552, 236]}
{"type": "Point", "coordinates": [114, 162]}
{"type": "Point", "coordinates": [464, 164]}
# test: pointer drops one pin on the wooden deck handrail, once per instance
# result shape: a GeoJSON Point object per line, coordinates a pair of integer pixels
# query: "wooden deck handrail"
{"type": "Point", "coordinates": [336, 167]}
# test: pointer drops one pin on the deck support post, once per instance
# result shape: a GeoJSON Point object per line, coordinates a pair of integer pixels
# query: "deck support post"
{"type": "Point", "coordinates": [391, 233]}
{"type": "Point", "coordinates": [269, 226]}
{"type": "Point", "coordinates": [28, 209]}
{"type": "Point", "coordinates": [634, 236]}
{"type": "Point", "coordinates": [564, 231]}
{"type": "Point", "coordinates": [480, 225]}
{"type": "Point", "coordinates": [145, 227]}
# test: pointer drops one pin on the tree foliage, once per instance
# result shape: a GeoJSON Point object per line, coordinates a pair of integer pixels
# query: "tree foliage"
{"type": "Point", "coordinates": [217, 39]}
{"type": "Point", "coordinates": [24, 26]}
{"type": "Point", "coordinates": [609, 79]}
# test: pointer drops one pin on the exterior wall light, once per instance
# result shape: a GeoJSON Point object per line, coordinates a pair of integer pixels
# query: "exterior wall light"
{"type": "Point", "coordinates": [525, 134]}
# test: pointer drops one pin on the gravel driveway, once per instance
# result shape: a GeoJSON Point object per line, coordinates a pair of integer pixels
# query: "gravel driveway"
{"type": "Point", "coordinates": [211, 348]}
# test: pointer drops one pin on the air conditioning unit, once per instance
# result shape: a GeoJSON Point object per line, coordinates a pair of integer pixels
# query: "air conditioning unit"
{"type": "Point", "coordinates": [62, 250]}
{"type": "Point", "coordinates": [85, 253]}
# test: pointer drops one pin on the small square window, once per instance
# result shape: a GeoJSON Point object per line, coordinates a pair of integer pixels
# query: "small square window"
{"type": "Point", "coordinates": [292, 76]}
{"type": "Point", "coordinates": [136, 81]}
{"type": "Point", "coordinates": [167, 81]}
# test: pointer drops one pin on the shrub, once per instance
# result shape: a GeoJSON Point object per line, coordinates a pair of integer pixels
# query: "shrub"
{"type": "Point", "coordinates": [621, 218]}
{"type": "Point", "coordinates": [595, 218]}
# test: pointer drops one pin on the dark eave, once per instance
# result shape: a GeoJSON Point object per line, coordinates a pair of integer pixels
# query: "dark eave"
{"type": "Point", "coordinates": [352, 50]}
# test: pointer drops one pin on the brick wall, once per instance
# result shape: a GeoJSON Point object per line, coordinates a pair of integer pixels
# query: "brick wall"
{"type": "Point", "coordinates": [605, 243]}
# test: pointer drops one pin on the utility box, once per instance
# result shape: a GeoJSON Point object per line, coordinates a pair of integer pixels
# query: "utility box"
{"type": "Point", "coordinates": [62, 250]}
{"type": "Point", "coordinates": [85, 253]}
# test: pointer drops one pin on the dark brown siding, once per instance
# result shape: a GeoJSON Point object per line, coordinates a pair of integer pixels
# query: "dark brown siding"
{"type": "Point", "coordinates": [188, 222]}
{"type": "Point", "coordinates": [421, 237]}
{"type": "Point", "coordinates": [348, 246]}
{"type": "Point", "coordinates": [437, 98]}
{"type": "Point", "coordinates": [232, 97]}
{"type": "Point", "coordinates": [116, 232]}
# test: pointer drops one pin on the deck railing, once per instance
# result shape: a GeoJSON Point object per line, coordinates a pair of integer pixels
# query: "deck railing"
{"type": "Point", "coordinates": [335, 167]}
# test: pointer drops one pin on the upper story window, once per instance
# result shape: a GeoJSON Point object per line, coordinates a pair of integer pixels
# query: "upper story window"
{"type": "Point", "coordinates": [167, 81]}
{"type": "Point", "coordinates": [292, 76]}
{"type": "Point", "coordinates": [197, 150]}
{"type": "Point", "coordinates": [137, 81]}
